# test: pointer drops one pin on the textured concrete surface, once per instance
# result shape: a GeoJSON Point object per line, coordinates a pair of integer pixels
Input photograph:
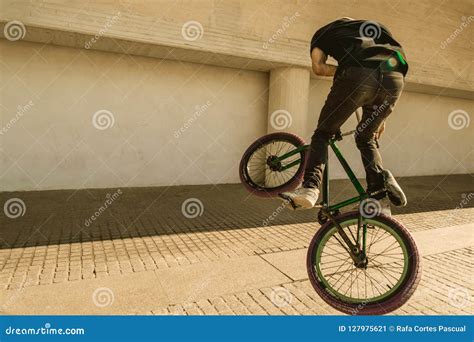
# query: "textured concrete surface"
{"type": "Point", "coordinates": [147, 254]}
{"type": "Point", "coordinates": [205, 279]}
{"type": "Point", "coordinates": [248, 34]}
{"type": "Point", "coordinates": [444, 290]}
{"type": "Point", "coordinates": [291, 263]}
{"type": "Point", "coordinates": [447, 239]}
{"type": "Point", "coordinates": [127, 294]}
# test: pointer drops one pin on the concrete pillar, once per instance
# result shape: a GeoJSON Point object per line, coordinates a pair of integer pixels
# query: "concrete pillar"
{"type": "Point", "coordinates": [288, 100]}
{"type": "Point", "coordinates": [287, 106]}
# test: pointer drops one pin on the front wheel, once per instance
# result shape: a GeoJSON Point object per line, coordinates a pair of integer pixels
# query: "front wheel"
{"type": "Point", "coordinates": [273, 164]}
{"type": "Point", "coordinates": [385, 282]}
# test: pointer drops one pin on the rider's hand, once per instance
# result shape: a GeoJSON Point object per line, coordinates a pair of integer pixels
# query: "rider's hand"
{"type": "Point", "coordinates": [380, 131]}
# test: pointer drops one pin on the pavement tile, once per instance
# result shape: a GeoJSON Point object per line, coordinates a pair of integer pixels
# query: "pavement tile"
{"type": "Point", "coordinates": [217, 277]}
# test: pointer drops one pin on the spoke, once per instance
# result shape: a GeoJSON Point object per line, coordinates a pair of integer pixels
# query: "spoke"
{"type": "Point", "coordinates": [342, 244]}
{"type": "Point", "coordinates": [381, 239]}
{"type": "Point", "coordinates": [348, 277]}
{"type": "Point", "coordinates": [391, 270]}
{"type": "Point", "coordinates": [365, 276]}
{"type": "Point", "coordinates": [335, 250]}
{"type": "Point", "coordinates": [374, 238]}
{"type": "Point", "coordinates": [333, 261]}
{"type": "Point", "coordinates": [374, 284]}
{"type": "Point", "coordinates": [386, 250]}
{"type": "Point", "coordinates": [383, 274]}
{"type": "Point", "coordinates": [341, 275]}
{"type": "Point", "coordinates": [371, 241]}
{"type": "Point", "coordinates": [390, 273]}
{"type": "Point", "coordinates": [327, 269]}
{"type": "Point", "coordinates": [357, 285]}
{"type": "Point", "coordinates": [336, 272]}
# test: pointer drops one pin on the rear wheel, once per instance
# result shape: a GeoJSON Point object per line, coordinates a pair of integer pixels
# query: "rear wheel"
{"type": "Point", "coordinates": [263, 174]}
{"type": "Point", "coordinates": [382, 284]}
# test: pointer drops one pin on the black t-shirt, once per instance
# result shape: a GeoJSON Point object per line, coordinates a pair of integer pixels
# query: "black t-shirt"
{"type": "Point", "coordinates": [360, 43]}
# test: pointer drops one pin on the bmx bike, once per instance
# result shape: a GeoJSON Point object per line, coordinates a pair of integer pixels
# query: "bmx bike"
{"type": "Point", "coordinates": [361, 262]}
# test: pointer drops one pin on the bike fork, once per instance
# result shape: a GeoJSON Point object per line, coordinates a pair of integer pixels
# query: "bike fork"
{"type": "Point", "coordinates": [356, 253]}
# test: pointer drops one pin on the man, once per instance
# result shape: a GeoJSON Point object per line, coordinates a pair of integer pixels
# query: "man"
{"type": "Point", "coordinates": [370, 74]}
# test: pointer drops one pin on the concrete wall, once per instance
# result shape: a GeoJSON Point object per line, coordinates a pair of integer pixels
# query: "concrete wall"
{"type": "Point", "coordinates": [253, 34]}
{"type": "Point", "coordinates": [174, 123]}
{"type": "Point", "coordinates": [420, 138]}
{"type": "Point", "coordinates": [183, 110]}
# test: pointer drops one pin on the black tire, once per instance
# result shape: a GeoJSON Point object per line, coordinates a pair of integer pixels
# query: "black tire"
{"type": "Point", "coordinates": [392, 301]}
{"type": "Point", "coordinates": [287, 185]}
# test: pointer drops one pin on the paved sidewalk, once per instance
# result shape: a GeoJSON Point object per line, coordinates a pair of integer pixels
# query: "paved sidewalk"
{"type": "Point", "coordinates": [208, 250]}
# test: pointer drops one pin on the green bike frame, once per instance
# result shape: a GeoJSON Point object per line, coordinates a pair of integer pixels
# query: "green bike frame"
{"type": "Point", "coordinates": [330, 210]}
{"type": "Point", "coordinates": [325, 185]}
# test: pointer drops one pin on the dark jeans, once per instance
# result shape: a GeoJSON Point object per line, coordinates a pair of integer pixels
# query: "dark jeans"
{"type": "Point", "coordinates": [373, 90]}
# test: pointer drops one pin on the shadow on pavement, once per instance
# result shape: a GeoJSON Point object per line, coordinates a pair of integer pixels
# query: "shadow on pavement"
{"type": "Point", "coordinates": [66, 216]}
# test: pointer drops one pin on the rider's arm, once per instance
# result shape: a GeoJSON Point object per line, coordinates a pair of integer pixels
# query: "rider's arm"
{"type": "Point", "coordinates": [320, 67]}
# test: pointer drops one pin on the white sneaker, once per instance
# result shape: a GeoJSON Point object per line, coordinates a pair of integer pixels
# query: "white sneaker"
{"type": "Point", "coordinates": [302, 198]}
{"type": "Point", "coordinates": [385, 206]}
{"type": "Point", "coordinates": [394, 191]}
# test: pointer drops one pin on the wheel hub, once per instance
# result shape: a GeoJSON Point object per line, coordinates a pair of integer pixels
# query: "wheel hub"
{"type": "Point", "coordinates": [362, 261]}
{"type": "Point", "coordinates": [273, 163]}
